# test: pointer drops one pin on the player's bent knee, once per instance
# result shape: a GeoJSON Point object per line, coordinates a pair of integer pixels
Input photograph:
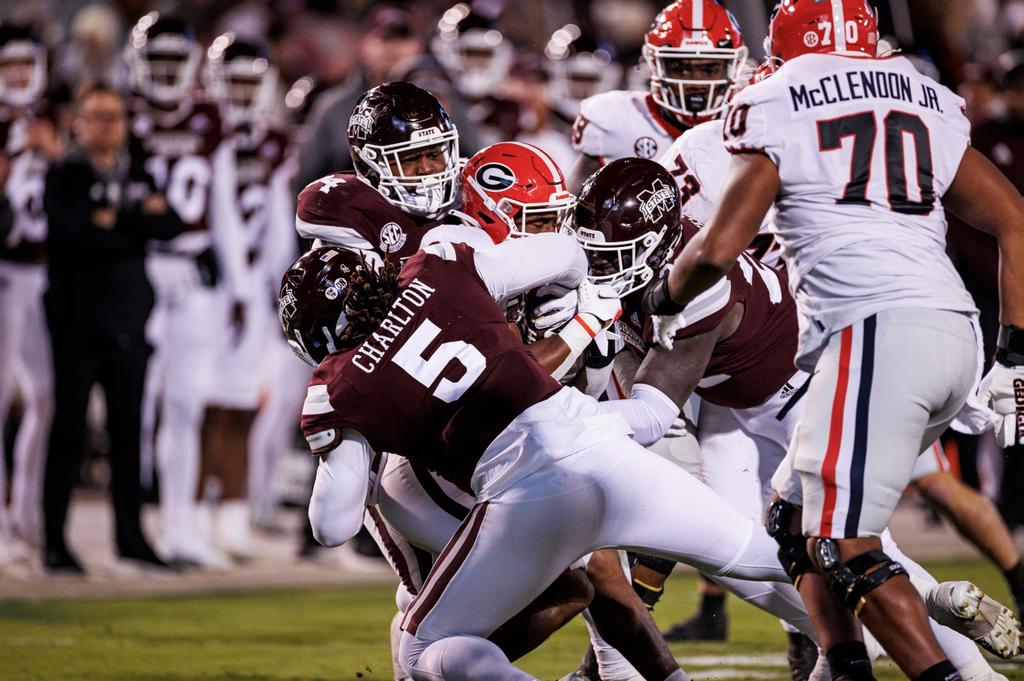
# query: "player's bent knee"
{"type": "Point", "coordinates": [780, 520]}
{"type": "Point", "coordinates": [854, 579]}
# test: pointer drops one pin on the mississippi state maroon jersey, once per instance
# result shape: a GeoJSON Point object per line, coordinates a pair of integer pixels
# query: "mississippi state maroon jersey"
{"type": "Point", "coordinates": [176, 150]}
{"type": "Point", "coordinates": [754, 362]}
{"type": "Point", "coordinates": [342, 210]}
{"type": "Point", "coordinates": [438, 380]}
{"type": "Point", "coordinates": [259, 154]}
{"type": "Point", "coordinates": [26, 242]}
{"type": "Point", "coordinates": [699, 162]}
{"type": "Point", "coordinates": [865, 150]}
{"type": "Point", "coordinates": [622, 123]}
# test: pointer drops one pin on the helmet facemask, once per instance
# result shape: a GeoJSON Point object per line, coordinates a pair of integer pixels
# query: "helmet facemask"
{"type": "Point", "coordinates": [22, 73]}
{"type": "Point", "coordinates": [694, 81]}
{"type": "Point", "coordinates": [164, 69]}
{"type": "Point", "coordinates": [245, 87]}
{"type": "Point", "coordinates": [428, 195]}
{"type": "Point", "coordinates": [620, 264]}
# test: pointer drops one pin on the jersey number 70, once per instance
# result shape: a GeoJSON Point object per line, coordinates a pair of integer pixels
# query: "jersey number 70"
{"type": "Point", "coordinates": [863, 127]}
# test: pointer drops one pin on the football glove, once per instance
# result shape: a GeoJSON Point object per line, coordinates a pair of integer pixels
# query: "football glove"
{"type": "Point", "coordinates": [665, 328]}
{"type": "Point", "coordinates": [597, 309]}
{"type": "Point", "coordinates": [555, 312]}
{"type": "Point", "coordinates": [1002, 390]}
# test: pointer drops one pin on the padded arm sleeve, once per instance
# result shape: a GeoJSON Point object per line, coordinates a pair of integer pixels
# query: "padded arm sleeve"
{"type": "Point", "coordinates": [648, 411]}
{"type": "Point", "coordinates": [339, 491]}
{"type": "Point", "coordinates": [518, 265]}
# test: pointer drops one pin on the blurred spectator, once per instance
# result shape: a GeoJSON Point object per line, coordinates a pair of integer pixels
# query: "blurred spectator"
{"type": "Point", "coordinates": [527, 86]}
{"type": "Point", "coordinates": [93, 49]}
{"type": "Point", "coordinates": [389, 49]}
{"type": "Point", "coordinates": [97, 305]}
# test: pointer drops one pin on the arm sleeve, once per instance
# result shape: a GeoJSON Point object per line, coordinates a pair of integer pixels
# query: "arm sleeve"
{"type": "Point", "coordinates": [339, 491]}
{"type": "Point", "coordinates": [648, 411]}
{"type": "Point", "coordinates": [751, 122]}
{"type": "Point", "coordinates": [518, 265]}
{"type": "Point", "coordinates": [226, 222]}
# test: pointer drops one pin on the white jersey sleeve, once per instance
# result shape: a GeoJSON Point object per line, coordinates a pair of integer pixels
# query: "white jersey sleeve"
{"type": "Point", "coordinates": [865, 150]}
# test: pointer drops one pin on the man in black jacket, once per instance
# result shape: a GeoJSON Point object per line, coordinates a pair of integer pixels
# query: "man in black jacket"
{"type": "Point", "coordinates": [97, 305]}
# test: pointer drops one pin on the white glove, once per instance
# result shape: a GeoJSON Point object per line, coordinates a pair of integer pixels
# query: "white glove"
{"type": "Point", "coordinates": [665, 329]}
{"type": "Point", "coordinates": [554, 313]}
{"type": "Point", "coordinates": [601, 301]}
{"type": "Point", "coordinates": [598, 309]}
{"type": "Point", "coordinates": [1002, 390]}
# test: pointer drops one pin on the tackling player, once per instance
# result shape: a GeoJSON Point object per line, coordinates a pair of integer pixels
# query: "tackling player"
{"type": "Point", "coordinates": [182, 143]}
{"type": "Point", "coordinates": [862, 231]}
{"type": "Point", "coordinates": [734, 347]}
{"type": "Point", "coordinates": [695, 54]}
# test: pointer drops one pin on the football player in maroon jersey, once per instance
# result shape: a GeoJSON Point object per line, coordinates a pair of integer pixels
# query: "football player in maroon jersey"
{"type": "Point", "coordinates": [421, 363]}
{"type": "Point", "coordinates": [243, 82]}
{"type": "Point", "coordinates": [734, 347]}
{"type": "Point", "coordinates": [406, 155]}
{"type": "Point", "coordinates": [29, 141]}
{"type": "Point", "coordinates": [179, 143]}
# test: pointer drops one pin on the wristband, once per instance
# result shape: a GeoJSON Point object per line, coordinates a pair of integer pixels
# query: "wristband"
{"type": "Point", "coordinates": [657, 300]}
{"type": "Point", "coordinates": [1010, 346]}
{"type": "Point", "coordinates": [579, 333]}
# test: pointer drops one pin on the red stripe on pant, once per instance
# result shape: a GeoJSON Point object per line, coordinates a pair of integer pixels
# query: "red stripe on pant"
{"type": "Point", "coordinates": [394, 553]}
{"type": "Point", "coordinates": [445, 569]}
{"type": "Point", "coordinates": [835, 434]}
{"type": "Point", "coordinates": [939, 458]}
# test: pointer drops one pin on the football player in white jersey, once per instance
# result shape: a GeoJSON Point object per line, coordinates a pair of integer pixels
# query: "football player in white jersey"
{"type": "Point", "coordinates": [846, 145]}
{"type": "Point", "coordinates": [695, 54]}
{"type": "Point", "coordinates": [699, 162]}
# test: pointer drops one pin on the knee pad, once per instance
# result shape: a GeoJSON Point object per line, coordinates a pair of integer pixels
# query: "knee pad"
{"type": "Point", "coordinates": [851, 581]}
{"type": "Point", "coordinates": [792, 547]}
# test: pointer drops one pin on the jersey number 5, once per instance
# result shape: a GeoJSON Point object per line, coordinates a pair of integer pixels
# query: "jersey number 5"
{"type": "Point", "coordinates": [864, 128]}
{"type": "Point", "coordinates": [426, 371]}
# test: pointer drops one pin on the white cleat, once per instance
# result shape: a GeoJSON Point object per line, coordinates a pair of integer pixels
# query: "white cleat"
{"type": "Point", "coordinates": [966, 609]}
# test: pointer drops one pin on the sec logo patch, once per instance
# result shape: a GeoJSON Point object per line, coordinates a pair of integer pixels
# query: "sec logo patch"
{"type": "Point", "coordinates": [811, 39]}
{"type": "Point", "coordinates": [645, 147]}
{"type": "Point", "coordinates": [392, 238]}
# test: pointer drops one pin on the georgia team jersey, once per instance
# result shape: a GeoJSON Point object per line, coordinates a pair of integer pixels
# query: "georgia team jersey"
{"type": "Point", "coordinates": [699, 162]}
{"type": "Point", "coordinates": [865, 148]}
{"type": "Point", "coordinates": [437, 381]}
{"type": "Point", "coordinates": [622, 123]}
{"type": "Point", "coordinates": [342, 210]}
{"type": "Point", "coordinates": [754, 362]}
{"type": "Point", "coordinates": [26, 243]}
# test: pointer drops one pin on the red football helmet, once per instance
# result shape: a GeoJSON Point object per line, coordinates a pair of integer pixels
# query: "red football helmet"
{"type": "Point", "coordinates": [695, 53]}
{"type": "Point", "coordinates": [514, 188]}
{"type": "Point", "coordinates": [817, 26]}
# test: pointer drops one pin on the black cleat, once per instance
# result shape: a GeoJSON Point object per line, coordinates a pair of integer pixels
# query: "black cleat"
{"type": "Point", "coordinates": [802, 655]}
{"type": "Point", "coordinates": [700, 627]}
{"type": "Point", "coordinates": [59, 560]}
{"type": "Point", "coordinates": [141, 552]}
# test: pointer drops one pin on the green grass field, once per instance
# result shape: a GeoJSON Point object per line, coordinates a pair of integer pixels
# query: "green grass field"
{"type": "Point", "coordinates": [330, 634]}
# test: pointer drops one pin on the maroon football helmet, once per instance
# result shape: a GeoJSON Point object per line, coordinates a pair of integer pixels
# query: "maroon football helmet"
{"type": "Point", "coordinates": [627, 220]}
{"type": "Point", "coordinates": [311, 305]}
{"type": "Point", "coordinates": [397, 120]}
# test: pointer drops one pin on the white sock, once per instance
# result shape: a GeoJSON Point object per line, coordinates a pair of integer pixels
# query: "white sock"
{"type": "Point", "coordinates": [463, 658]}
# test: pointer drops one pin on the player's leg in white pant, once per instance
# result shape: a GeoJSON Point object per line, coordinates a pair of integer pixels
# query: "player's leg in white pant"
{"type": "Point", "coordinates": [274, 429]}
{"type": "Point", "coordinates": [10, 341]}
{"type": "Point", "coordinates": [611, 493]}
{"type": "Point", "coordinates": [34, 374]}
{"type": "Point", "coordinates": [152, 391]}
{"type": "Point", "coordinates": [876, 401]}
{"type": "Point", "coordinates": [190, 354]}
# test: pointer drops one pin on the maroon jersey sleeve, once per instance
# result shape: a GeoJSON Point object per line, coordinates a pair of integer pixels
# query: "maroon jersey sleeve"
{"type": "Point", "coordinates": [440, 377]}
{"type": "Point", "coordinates": [344, 211]}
